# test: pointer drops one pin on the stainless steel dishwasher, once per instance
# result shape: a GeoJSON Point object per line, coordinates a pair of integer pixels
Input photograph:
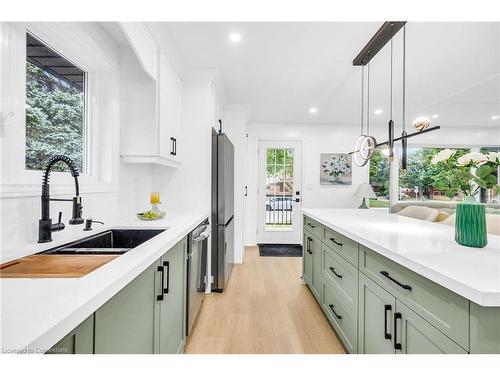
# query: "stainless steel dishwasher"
{"type": "Point", "coordinates": [196, 272]}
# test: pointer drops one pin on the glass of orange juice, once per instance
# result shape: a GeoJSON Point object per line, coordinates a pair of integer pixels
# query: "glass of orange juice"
{"type": "Point", "coordinates": [155, 201]}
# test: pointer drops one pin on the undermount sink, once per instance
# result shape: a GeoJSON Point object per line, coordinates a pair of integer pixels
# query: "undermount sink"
{"type": "Point", "coordinates": [110, 242]}
{"type": "Point", "coordinates": [78, 258]}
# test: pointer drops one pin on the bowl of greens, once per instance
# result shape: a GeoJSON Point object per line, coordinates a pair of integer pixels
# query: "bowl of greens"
{"type": "Point", "coordinates": [151, 215]}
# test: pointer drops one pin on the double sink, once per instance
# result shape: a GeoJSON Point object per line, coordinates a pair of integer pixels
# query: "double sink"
{"type": "Point", "coordinates": [110, 242]}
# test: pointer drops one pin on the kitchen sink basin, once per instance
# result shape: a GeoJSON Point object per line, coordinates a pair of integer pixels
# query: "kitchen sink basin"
{"type": "Point", "coordinates": [110, 242]}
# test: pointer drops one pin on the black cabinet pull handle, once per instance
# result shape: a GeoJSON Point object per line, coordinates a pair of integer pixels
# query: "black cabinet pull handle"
{"type": "Point", "coordinates": [387, 308]}
{"type": "Point", "coordinates": [312, 226]}
{"type": "Point", "coordinates": [335, 242]}
{"type": "Point", "coordinates": [161, 270]}
{"type": "Point", "coordinates": [404, 286]}
{"type": "Point", "coordinates": [335, 273]}
{"type": "Point", "coordinates": [246, 191]}
{"type": "Point", "coordinates": [167, 264]}
{"type": "Point", "coordinates": [172, 152]}
{"type": "Point", "coordinates": [175, 146]}
{"type": "Point", "coordinates": [309, 240]}
{"type": "Point", "coordinates": [339, 317]}
{"type": "Point", "coordinates": [397, 345]}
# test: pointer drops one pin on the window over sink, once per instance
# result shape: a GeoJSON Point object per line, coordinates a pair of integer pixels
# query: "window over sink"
{"type": "Point", "coordinates": [56, 96]}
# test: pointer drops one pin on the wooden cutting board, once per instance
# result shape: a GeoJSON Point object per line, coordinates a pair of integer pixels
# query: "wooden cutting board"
{"type": "Point", "coordinates": [53, 266]}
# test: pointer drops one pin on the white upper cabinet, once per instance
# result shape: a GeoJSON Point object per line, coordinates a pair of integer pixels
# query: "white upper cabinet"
{"type": "Point", "coordinates": [169, 109]}
{"type": "Point", "coordinates": [150, 110]}
{"type": "Point", "coordinates": [144, 46]}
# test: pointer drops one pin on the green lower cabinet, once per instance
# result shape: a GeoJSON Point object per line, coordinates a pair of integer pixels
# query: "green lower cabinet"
{"type": "Point", "coordinates": [317, 277]}
{"type": "Point", "coordinates": [78, 341]}
{"type": "Point", "coordinates": [307, 261]}
{"type": "Point", "coordinates": [417, 336]}
{"type": "Point", "coordinates": [484, 329]}
{"type": "Point", "coordinates": [376, 309]}
{"type": "Point", "coordinates": [342, 317]}
{"type": "Point", "coordinates": [126, 323]}
{"type": "Point", "coordinates": [172, 312]}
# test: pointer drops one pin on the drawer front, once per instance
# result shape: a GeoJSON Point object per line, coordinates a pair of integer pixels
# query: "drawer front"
{"type": "Point", "coordinates": [343, 319]}
{"type": "Point", "coordinates": [444, 309]}
{"type": "Point", "coordinates": [342, 245]}
{"type": "Point", "coordinates": [341, 275]}
{"type": "Point", "coordinates": [313, 227]}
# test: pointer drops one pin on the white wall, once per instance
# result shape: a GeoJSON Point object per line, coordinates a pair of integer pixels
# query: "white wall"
{"type": "Point", "coordinates": [316, 139]}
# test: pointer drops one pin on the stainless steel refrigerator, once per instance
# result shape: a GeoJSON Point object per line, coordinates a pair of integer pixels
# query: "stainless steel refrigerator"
{"type": "Point", "coordinates": [222, 209]}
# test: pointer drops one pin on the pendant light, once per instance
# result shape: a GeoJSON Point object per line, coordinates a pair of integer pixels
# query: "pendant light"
{"type": "Point", "coordinates": [404, 140]}
{"type": "Point", "coordinates": [390, 142]}
{"type": "Point", "coordinates": [359, 160]}
{"type": "Point", "coordinates": [365, 144]}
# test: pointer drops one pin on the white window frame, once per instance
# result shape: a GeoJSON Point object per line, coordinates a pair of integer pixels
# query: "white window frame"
{"type": "Point", "coordinates": [88, 47]}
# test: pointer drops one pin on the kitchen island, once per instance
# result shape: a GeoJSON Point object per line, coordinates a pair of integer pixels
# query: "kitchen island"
{"type": "Point", "coordinates": [36, 313]}
{"type": "Point", "coordinates": [392, 284]}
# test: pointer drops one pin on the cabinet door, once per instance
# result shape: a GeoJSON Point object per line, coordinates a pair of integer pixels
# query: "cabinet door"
{"type": "Point", "coordinates": [169, 110]}
{"type": "Point", "coordinates": [172, 308]}
{"type": "Point", "coordinates": [78, 341]}
{"type": "Point", "coordinates": [317, 278]}
{"type": "Point", "coordinates": [376, 308]}
{"type": "Point", "coordinates": [417, 336]}
{"type": "Point", "coordinates": [126, 323]}
{"type": "Point", "coordinates": [307, 260]}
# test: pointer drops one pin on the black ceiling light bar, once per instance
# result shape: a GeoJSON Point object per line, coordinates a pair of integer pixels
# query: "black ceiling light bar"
{"type": "Point", "coordinates": [384, 35]}
{"type": "Point", "coordinates": [378, 41]}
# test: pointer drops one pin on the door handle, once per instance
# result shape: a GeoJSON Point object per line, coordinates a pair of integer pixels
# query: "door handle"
{"type": "Point", "coordinates": [397, 345]}
{"type": "Point", "coordinates": [404, 286]}
{"type": "Point", "coordinates": [297, 199]}
{"type": "Point", "coordinates": [335, 242]}
{"type": "Point", "coordinates": [175, 146]}
{"type": "Point", "coordinates": [309, 240]}
{"type": "Point", "coordinates": [166, 264]}
{"type": "Point", "coordinates": [246, 191]}
{"type": "Point", "coordinates": [339, 317]}
{"type": "Point", "coordinates": [172, 152]}
{"type": "Point", "coordinates": [335, 273]}
{"type": "Point", "coordinates": [387, 335]}
{"type": "Point", "coordinates": [162, 271]}
{"type": "Point", "coordinates": [312, 226]}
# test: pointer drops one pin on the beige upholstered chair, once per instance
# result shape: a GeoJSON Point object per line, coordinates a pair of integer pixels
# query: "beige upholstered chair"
{"type": "Point", "coordinates": [419, 212]}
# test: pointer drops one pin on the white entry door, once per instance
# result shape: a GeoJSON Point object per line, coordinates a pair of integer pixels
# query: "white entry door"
{"type": "Point", "coordinates": [279, 192]}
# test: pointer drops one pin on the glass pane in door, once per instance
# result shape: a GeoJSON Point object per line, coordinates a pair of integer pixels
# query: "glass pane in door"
{"type": "Point", "coordinates": [279, 189]}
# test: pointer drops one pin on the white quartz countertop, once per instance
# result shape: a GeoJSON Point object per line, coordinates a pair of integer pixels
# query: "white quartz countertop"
{"type": "Point", "coordinates": [426, 248]}
{"type": "Point", "coordinates": [37, 313]}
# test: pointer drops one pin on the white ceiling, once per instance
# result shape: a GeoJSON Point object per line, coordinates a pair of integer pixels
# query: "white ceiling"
{"type": "Point", "coordinates": [280, 70]}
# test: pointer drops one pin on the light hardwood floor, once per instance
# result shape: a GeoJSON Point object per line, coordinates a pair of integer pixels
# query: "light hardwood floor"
{"type": "Point", "coordinates": [265, 309]}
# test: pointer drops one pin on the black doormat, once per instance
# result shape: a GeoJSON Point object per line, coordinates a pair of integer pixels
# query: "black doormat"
{"type": "Point", "coordinates": [280, 250]}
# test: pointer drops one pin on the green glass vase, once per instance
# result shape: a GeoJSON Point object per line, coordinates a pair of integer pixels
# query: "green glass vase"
{"type": "Point", "coordinates": [470, 224]}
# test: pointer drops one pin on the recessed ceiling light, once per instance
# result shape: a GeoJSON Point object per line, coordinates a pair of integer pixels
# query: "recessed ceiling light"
{"type": "Point", "coordinates": [495, 117]}
{"type": "Point", "coordinates": [313, 110]}
{"type": "Point", "coordinates": [235, 37]}
{"type": "Point", "coordinates": [435, 115]}
{"type": "Point", "coordinates": [378, 111]}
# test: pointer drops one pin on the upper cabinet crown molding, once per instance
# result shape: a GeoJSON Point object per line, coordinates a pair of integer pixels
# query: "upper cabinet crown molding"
{"type": "Point", "coordinates": [143, 45]}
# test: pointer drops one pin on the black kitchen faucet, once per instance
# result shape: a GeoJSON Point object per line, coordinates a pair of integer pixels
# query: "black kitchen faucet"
{"type": "Point", "coordinates": [45, 226]}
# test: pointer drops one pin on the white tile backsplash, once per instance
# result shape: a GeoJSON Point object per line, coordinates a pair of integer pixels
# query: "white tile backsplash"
{"type": "Point", "coordinates": [19, 216]}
